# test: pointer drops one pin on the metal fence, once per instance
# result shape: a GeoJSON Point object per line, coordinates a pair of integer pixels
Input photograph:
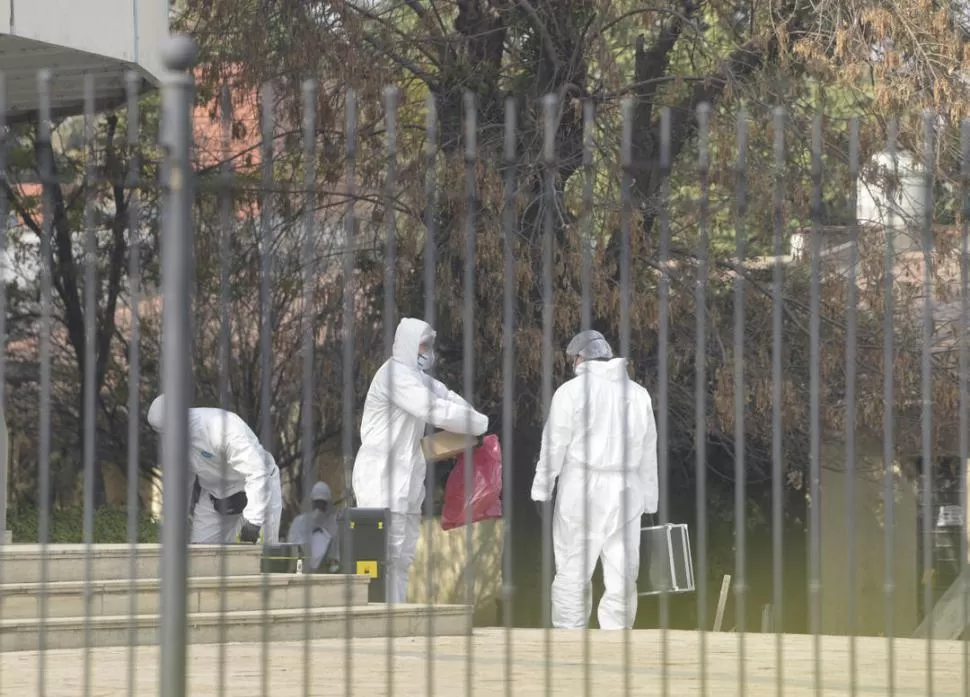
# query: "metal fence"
{"type": "Point", "coordinates": [836, 526]}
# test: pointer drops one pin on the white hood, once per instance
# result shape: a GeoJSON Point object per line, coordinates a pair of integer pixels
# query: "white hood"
{"type": "Point", "coordinates": [155, 413]}
{"type": "Point", "coordinates": [613, 369]}
{"type": "Point", "coordinates": [408, 338]}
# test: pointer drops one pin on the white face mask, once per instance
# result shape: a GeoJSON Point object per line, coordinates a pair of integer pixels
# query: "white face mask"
{"type": "Point", "coordinates": [426, 361]}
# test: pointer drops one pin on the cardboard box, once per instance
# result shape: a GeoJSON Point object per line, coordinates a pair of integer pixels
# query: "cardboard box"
{"type": "Point", "coordinates": [443, 445]}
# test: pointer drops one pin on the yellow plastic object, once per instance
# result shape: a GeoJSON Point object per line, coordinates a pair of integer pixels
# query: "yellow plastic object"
{"type": "Point", "coordinates": [367, 568]}
{"type": "Point", "coordinates": [380, 524]}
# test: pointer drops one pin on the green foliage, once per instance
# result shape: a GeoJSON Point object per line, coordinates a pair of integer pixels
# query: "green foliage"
{"type": "Point", "coordinates": [66, 525]}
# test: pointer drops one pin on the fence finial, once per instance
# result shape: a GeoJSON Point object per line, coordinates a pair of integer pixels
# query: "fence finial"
{"type": "Point", "coordinates": [179, 53]}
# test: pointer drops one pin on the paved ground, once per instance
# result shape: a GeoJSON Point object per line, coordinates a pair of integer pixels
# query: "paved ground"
{"type": "Point", "coordinates": [485, 657]}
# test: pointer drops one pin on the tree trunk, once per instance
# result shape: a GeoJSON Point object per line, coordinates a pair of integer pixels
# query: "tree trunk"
{"type": "Point", "coordinates": [100, 494]}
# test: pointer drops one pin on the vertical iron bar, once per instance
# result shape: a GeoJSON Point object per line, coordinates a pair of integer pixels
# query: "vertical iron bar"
{"type": "Point", "coordinates": [225, 262]}
{"type": "Point", "coordinates": [626, 223]}
{"type": "Point", "coordinates": [740, 396]}
{"type": "Point", "coordinates": [777, 462]}
{"type": "Point", "coordinates": [90, 359]}
{"type": "Point", "coordinates": [700, 384]}
{"type": "Point", "coordinates": [929, 162]}
{"type": "Point", "coordinates": [549, 106]}
{"type": "Point", "coordinates": [430, 218]}
{"type": "Point", "coordinates": [5, 267]}
{"type": "Point", "coordinates": [46, 270]}
{"type": "Point", "coordinates": [850, 397]}
{"type": "Point", "coordinates": [663, 380]}
{"type": "Point", "coordinates": [468, 354]}
{"type": "Point", "coordinates": [889, 586]}
{"type": "Point", "coordinates": [586, 225]}
{"type": "Point", "coordinates": [4, 212]}
{"type": "Point", "coordinates": [266, 244]}
{"type": "Point", "coordinates": [815, 386]}
{"type": "Point", "coordinates": [508, 378]}
{"type": "Point", "coordinates": [349, 394]}
{"type": "Point", "coordinates": [964, 369]}
{"type": "Point", "coordinates": [310, 252]}
{"type": "Point", "coordinates": [132, 181]}
{"type": "Point", "coordinates": [177, 100]}
{"type": "Point", "coordinates": [391, 96]}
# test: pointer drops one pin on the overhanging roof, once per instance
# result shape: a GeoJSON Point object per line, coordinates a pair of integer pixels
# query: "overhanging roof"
{"type": "Point", "coordinates": [107, 39]}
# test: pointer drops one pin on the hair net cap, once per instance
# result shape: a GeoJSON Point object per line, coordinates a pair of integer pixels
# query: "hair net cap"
{"type": "Point", "coordinates": [589, 345]}
{"type": "Point", "coordinates": [156, 412]}
{"type": "Point", "coordinates": [321, 492]}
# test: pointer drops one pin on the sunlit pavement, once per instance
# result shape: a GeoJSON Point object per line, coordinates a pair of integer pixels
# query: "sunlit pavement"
{"type": "Point", "coordinates": [456, 662]}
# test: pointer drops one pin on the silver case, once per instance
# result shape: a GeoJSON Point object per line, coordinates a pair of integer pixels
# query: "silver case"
{"type": "Point", "coordinates": [674, 571]}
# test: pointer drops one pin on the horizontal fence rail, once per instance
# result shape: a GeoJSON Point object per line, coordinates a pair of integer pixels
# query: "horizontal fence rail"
{"type": "Point", "coordinates": [712, 397]}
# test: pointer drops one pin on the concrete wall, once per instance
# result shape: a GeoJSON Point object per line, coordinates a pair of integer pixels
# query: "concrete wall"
{"type": "Point", "coordinates": [868, 554]}
{"type": "Point", "coordinates": [448, 556]}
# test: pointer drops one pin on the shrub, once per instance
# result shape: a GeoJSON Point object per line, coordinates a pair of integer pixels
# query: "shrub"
{"type": "Point", "coordinates": [66, 525]}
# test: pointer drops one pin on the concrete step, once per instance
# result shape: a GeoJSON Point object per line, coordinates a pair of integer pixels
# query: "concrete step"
{"type": "Point", "coordinates": [368, 621]}
{"type": "Point", "coordinates": [113, 598]}
{"type": "Point", "coordinates": [22, 563]}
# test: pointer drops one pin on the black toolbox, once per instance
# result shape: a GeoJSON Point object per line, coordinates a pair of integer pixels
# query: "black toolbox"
{"type": "Point", "coordinates": [282, 558]}
{"type": "Point", "coordinates": [363, 547]}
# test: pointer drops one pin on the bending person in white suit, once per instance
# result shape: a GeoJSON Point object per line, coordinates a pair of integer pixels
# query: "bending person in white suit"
{"type": "Point", "coordinates": [236, 483]}
{"type": "Point", "coordinates": [587, 457]}
{"type": "Point", "coordinates": [390, 467]}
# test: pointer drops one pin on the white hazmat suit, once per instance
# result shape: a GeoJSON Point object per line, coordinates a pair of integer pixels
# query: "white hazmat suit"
{"type": "Point", "coordinates": [587, 457]}
{"type": "Point", "coordinates": [318, 528]}
{"type": "Point", "coordinates": [226, 458]}
{"type": "Point", "coordinates": [390, 467]}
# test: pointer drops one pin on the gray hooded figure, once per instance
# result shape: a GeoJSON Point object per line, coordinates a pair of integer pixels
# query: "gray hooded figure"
{"type": "Point", "coordinates": [318, 529]}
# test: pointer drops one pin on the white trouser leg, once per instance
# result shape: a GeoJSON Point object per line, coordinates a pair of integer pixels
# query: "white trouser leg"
{"type": "Point", "coordinates": [571, 589]}
{"type": "Point", "coordinates": [211, 528]}
{"type": "Point", "coordinates": [403, 533]}
{"type": "Point", "coordinates": [621, 566]}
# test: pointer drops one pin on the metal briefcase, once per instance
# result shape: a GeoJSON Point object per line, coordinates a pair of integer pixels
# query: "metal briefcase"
{"type": "Point", "coordinates": [668, 561]}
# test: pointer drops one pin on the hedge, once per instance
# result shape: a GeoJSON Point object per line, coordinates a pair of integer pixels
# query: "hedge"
{"type": "Point", "coordinates": [66, 525]}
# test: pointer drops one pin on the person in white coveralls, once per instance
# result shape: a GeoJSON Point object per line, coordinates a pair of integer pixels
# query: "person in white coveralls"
{"type": "Point", "coordinates": [587, 458]}
{"type": "Point", "coordinates": [318, 529]}
{"type": "Point", "coordinates": [236, 483]}
{"type": "Point", "coordinates": [390, 468]}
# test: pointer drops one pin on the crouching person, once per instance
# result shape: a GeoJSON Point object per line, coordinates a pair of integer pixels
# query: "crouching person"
{"type": "Point", "coordinates": [318, 530]}
{"type": "Point", "coordinates": [236, 483]}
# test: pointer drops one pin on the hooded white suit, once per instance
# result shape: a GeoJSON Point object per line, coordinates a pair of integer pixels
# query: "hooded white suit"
{"type": "Point", "coordinates": [390, 468]}
{"type": "Point", "coordinates": [318, 528]}
{"type": "Point", "coordinates": [588, 460]}
{"type": "Point", "coordinates": [220, 440]}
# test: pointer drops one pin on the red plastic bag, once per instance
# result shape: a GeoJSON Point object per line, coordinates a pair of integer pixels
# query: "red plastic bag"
{"type": "Point", "coordinates": [485, 500]}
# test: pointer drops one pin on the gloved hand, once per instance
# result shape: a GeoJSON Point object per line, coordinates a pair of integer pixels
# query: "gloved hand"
{"type": "Point", "coordinates": [249, 532]}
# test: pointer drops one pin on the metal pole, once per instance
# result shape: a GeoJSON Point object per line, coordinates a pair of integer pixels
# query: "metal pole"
{"type": "Point", "coordinates": [4, 434]}
{"type": "Point", "coordinates": [177, 97]}
{"type": "Point", "coordinates": [4, 464]}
